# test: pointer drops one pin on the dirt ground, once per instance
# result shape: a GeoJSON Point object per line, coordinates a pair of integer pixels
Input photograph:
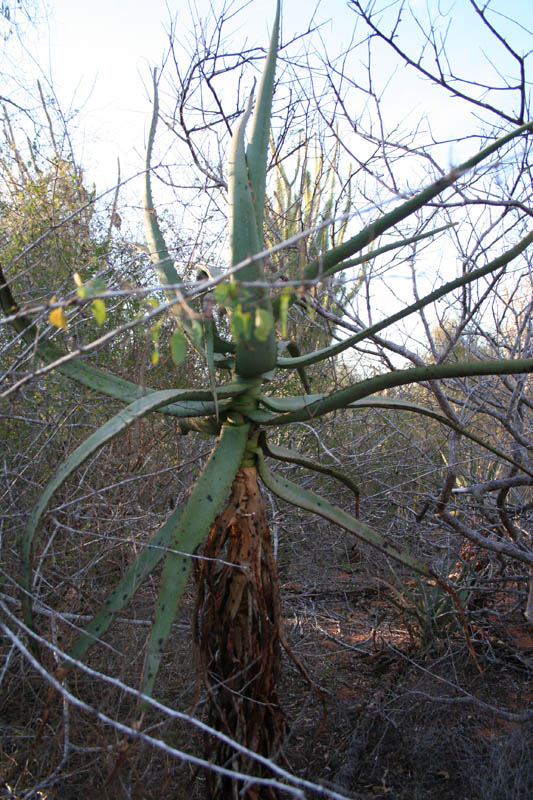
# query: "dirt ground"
{"type": "Point", "coordinates": [387, 717]}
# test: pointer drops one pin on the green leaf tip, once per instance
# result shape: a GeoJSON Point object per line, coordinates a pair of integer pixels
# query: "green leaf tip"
{"type": "Point", "coordinates": [256, 352]}
{"type": "Point", "coordinates": [257, 151]}
{"type": "Point", "coordinates": [159, 254]}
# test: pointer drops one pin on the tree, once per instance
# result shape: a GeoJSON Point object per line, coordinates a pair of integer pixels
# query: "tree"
{"type": "Point", "coordinates": [477, 322]}
{"type": "Point", "coordinates": [238, 619]}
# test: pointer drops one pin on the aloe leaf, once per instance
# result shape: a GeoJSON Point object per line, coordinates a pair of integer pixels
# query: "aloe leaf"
{"type": "Point", "coordinates": [210, 359]}
{"type": "Point", "coordinates": [127, 392]}
{"type": "Point", "coordinates": [257, 150]}
{"type": "Point", "coordinates": [259, 415]}
{"type": "Point", "coordinates": [379, 251]}
{"type": "Point", "coordinates": [294, 351]}
{"type": "Point", "coordinates": [206, 500]}
{"type": "Point", "coordinates": [134, 576]}
{"type": "Point", "coordinates": [87, 375]}
{"type": "Point", "coordinates": [303, 498]}
{"type": "Point", "coordinates": [293, 457]}
{"type": "Point", "coordinates": [326, 261]}
{"type": "Point", "coordinates": [295, 403]}
{"type": "Point", "coordinates": [404, 377]}
{"type": "Point", "coordinates": [464, 280]}
{"type": "Point", "coordinates": [301, 403]}
{"type": "Point", "coordinates": [244, 235]}
{"type": "Point", "coordinates": [94, 377]}
{"type": "Point", "coordinates": [161, 259]}
{"type": "Point", "coordinates": [178, 347]}
{"type": "Point", "coordinates": [281, 303]}
{"type": "Point", "coordinates": [117, 424]}
{"type": "Point", "coordinates": [405, 405]}
{"type": "Point", "coordinates": [195, 402]}
{"type": "Point", "coordinates": [254, 355]}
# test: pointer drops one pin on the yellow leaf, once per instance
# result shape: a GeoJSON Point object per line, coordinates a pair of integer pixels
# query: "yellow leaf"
{"type": "Point", "coordinates": [80, 288]}
{"type": "Point", "coordinates": [98, 309]}
{"type": "Point", "coordinates": [57, 318]}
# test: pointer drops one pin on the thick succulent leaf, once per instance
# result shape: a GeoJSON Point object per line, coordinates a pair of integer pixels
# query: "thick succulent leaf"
{"type": "Point", "coordinates": [117, 424]}
{"type": "Point", "coordinates": [367, 333]}
{"type": "Point", "coordinates": [205, 502]}
{"type": "Point", "coordinates": [161, 258]}
{"type": "Point", "coordinates": [379, 251]}
{"type": "Point", "coordinates": [49, 352]}
{"type": "Point", "coordinates": [194, 402]}
{"type": "Point", "coordinates": [209, 326]}
{"type": "Point", "coordinates": [293, 457]}
{"type": "Point", "coordinates": [178, 347]}
{"type": "Point", "coordinates": [281, 303]}
{"type": "Point", "coordinates": [309, 501]}
{"type": "Point", "coordinates": [134, 576]}
{"type": "Point", "coordinates": [257, 150]}
{"type": "Point", "coordinates": [295, 403]}
{"type": "Point", "coordinates": [88, 375]}
{"type": "Point", "coordinates": [244, 235]}
{"type": "Point", "coordinates": [260, 416]}
{"type": "Point", "coordinates": [301, 403]}
{"type": "Point", "coordinates": [403, 377]}
{"type": "Point", "coordinates": [371, 232]}
{"type": "Point", "coordinates": [294, 351]}
{"type": "Point", "coordinates": [405, 405]}
{"type": "Point", "coordinates": [96, 378]}
{"type": "Point", "coordinates": [255, 355]}
{"type": "Point", "coordinates": [162, 261]}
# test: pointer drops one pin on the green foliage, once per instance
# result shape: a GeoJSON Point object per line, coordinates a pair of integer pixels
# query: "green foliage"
{"type": "Point", "coordinates": [431, 613]}
{"type": "Point", "coordinates": [36, 195]}
{"type": "Point", "coordinates": [178, 347]}
{"type": "Point", "coordinates": [209, 493]}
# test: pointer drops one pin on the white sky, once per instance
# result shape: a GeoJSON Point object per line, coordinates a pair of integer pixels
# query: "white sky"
{"type": "Point", "coordinates": [98, 56]}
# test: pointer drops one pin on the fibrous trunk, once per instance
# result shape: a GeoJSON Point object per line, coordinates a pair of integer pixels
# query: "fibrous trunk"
{"type": "Point", "coordinates": [237, 631]}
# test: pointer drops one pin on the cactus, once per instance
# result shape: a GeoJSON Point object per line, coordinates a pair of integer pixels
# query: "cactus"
{"type": "Point", "coordinates": [238, 622]}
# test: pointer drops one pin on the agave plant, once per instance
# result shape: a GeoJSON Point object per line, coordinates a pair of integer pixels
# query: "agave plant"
{"type": "Point", "coordinates": [238, 625]}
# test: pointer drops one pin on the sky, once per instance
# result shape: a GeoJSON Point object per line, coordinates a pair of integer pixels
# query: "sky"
{"type": "Point", "coordinates": [98, 57]}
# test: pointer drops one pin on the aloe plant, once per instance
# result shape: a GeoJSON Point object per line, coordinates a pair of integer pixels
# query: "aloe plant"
{"type": "Point", "coordinates": [430, 612]}
{"type": "Point", "coordinates": [238, 626]}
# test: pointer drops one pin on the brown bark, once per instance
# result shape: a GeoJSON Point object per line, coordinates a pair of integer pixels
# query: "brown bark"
{"type": "Point", "coordinates": [237, 633]}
